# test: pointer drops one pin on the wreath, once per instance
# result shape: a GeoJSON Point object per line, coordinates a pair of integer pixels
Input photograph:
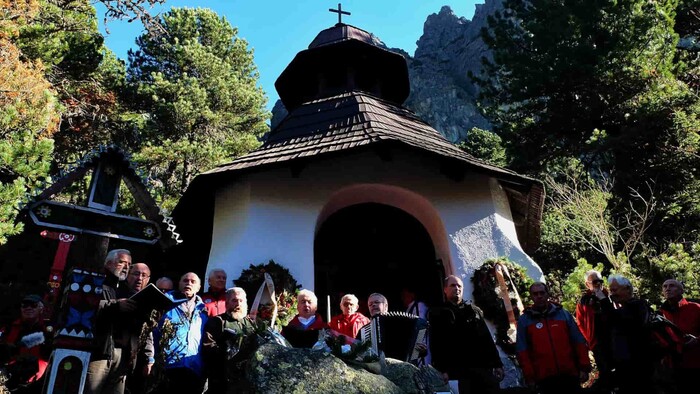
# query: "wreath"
{"type": "Point", "coordinates": [487, 297]}
{"type": "Point", "coordinates": [286, 289]}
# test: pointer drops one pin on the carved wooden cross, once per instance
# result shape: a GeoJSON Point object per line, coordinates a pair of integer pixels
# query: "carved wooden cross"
{"type": "Point", "coordinates": [340, 12]}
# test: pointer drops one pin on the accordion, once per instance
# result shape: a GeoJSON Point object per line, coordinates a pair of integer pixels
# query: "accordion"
{"type": "Point", "coordinates": [395, 334]}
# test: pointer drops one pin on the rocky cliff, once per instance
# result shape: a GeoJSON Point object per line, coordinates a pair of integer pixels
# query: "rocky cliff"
{"type": "Point", "coordinates": [441, 92]}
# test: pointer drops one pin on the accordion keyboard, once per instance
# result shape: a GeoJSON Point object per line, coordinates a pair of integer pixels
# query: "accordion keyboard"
{"type": "Point", "coordinates": [396, 333]}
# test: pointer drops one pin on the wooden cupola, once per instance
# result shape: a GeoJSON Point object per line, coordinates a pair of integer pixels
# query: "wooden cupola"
{"type": "Point", "coordinates": [343, 59]}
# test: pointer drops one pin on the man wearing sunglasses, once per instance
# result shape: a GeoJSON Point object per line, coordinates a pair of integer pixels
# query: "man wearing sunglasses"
{"type": "Point", "coordinates": [138, 278]}
{"type": "Point", "coordinates": [23, 345]}
{"type": "Point", "coordinates": [590, 320]}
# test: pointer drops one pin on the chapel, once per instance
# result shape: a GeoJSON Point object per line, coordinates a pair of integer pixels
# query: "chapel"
{"type": "Point", "coordinates": [352, 192]}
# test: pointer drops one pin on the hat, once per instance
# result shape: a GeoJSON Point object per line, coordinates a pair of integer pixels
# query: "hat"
{"type": "Point", "coordinates": [32, 298]}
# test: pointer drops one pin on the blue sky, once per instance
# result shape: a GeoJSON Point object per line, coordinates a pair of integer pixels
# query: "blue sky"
{"type": "Point", "coordinates": [277, 30]}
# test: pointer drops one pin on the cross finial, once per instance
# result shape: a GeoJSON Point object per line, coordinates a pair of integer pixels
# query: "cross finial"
{"type": "Point", "coordinates": [340, 12]}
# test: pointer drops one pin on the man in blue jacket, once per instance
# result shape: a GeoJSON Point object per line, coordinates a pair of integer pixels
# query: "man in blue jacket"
{"type": "Point", "coordinates": [181, 329]}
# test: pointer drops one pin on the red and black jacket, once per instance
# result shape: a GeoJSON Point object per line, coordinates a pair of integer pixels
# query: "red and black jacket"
{"type": "Point", "coordinates": [550, 344]}
{"type": "Point", "coordinates": [302, 336]}
{"type": "Point", "coordinates": [589, 318]}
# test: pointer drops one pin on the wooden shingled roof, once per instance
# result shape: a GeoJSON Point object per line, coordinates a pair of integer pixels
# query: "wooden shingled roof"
{"type": "Point", "coordinates": [354, 120]}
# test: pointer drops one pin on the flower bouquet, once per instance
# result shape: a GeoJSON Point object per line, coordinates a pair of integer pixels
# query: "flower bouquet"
{"type": "Point", "coordinates": [286, 305]}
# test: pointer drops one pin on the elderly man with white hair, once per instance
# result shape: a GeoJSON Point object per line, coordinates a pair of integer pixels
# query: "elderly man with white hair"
{"type": "Point", "coordinates": [302, 330]}
{"type": "Point", "coordinates": [228, 341]}
{"type": "Point", "coordinates": [350, 321]}
{"type": "Point", "coordinates": [630, 352]}
{"type": "Point", "coordinates": [112, 346]}
{"type": "Point", "coordinates": [215, 297]}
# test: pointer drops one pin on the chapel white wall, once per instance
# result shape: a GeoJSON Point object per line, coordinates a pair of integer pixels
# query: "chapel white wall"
{"type": "Point", "coordinates": [273, 215]}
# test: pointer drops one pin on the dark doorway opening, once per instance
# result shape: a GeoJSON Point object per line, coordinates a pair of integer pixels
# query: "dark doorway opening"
{"type": "Point", "coordinates": [369, 248]}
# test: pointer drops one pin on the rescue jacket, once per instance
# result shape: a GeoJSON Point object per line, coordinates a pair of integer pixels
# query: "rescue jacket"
{"type": "Point", "coordinates": [215, 302]}
{"type": "Point", "coordinates": [550, 344]}
{"type": "Point", "coordinates": [686, 315]}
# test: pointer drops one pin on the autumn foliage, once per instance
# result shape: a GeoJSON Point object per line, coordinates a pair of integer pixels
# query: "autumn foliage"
{"type": "Point", "coordinates": [27, 99]}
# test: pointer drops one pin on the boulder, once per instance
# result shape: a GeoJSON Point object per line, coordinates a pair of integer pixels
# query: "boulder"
{"type": "Point", "coordinates": [411, 379]}
{"type": "Point", "coordinates": [278, 369]}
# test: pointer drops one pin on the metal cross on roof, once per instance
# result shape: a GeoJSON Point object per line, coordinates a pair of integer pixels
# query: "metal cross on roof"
{"type": "Point", "coordinates": [340, 12]}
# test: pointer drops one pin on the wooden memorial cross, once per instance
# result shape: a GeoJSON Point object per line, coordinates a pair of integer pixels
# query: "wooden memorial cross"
{"type": "Point", "coordinates": [340, 12]}
{"type": "Point", "coordinates": [100, 216]}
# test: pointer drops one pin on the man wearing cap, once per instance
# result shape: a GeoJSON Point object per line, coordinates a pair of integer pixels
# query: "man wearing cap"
{"type": "Point", "coordinates": [24, 342]}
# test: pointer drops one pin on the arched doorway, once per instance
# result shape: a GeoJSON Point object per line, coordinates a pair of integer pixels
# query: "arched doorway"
{"type": "Point", "coordinates": [372, 247]}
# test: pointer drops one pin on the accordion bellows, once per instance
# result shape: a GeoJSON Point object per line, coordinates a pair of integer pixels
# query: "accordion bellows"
{"type": "Point", "coordinates": [395, 334]}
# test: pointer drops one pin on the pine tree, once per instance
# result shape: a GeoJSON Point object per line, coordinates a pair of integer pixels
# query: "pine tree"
{"type": "Point", "coordinates": [598, 82]}
{"type": "Point", "coordinates": [29, 115]}
{"type": "Point", "coordinates": [197, 83]}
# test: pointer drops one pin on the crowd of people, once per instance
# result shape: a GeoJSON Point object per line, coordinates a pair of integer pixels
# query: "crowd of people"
{"type": "Point", "coordinates": [204, 341]}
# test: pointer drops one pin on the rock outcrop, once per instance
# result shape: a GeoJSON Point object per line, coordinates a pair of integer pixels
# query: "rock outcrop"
{"type": "Point", "coordinates": [442, 93]}
{"type": "Point", "coordinates": [278, 369]}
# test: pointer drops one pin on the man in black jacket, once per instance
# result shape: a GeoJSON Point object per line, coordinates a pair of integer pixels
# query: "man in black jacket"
{"type": "Point", "coordinates": [461, 345]}
{"type": "Point", "coordinates": [142, 355]}
{"type": "Point", "coordinates": [630, 350]}
{"type": "Point", "coordinates": [111, 356]}
{"type": "Point", "coordinates": [228, 341]}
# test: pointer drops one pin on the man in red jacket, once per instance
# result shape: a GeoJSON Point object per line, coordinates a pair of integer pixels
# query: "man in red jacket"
{"type": "Point", "coordinates": [591, 321]}
{"type": "Point", "coordinates": [24, 344]}
{"type": "Point", "coordinates": [550, 347]}
{"type": "Point", "coordinates": [350, 321]}
{"type": "Point", "coordinates": [302, 331]}
{"type": "Point", "coordinates": [588, 309]}
{"type": "Point", "coordinates": [215, 298]}
{"type": "Point", "coordinates": [686, 315]}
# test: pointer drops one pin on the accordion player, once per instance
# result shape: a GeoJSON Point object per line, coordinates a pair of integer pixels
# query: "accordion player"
{"type": "Point", "coordinates": [395, 335]}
